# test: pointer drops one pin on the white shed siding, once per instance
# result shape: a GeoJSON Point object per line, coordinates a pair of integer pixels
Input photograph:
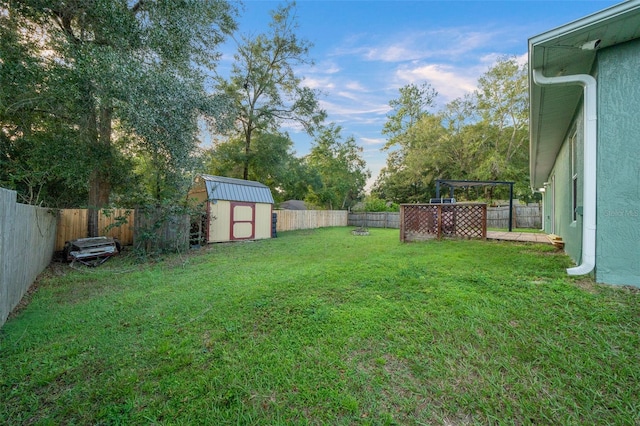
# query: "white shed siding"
{"type": "Point", "coordinates": [263, 221]}
{"type": "Point", "coordinates": [219, 221]}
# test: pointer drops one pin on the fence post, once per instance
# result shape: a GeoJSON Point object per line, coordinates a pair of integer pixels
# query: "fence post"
{"type": "Point", "coordinates": [484, 221]}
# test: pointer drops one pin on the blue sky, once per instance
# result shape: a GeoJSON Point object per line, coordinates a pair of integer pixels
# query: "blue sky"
{"type": "Point", "coordinates": [364, 51]}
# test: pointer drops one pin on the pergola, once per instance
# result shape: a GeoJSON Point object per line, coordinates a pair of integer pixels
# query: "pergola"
{"type": "Point", "coordinates": [452, 184]}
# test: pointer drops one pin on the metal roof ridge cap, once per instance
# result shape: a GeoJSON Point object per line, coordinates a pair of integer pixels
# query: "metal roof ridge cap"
{"type": "Point", "coordinates": [233, 181]}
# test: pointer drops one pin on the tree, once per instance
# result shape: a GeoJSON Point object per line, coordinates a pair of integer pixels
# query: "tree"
{"type": "Point", "coordinates": [264, 87]}
{"type": "Point", "coordinates": [412, 168]}
{"type": "Point", "coordinates": [371, 203]}
{"type": "Point", "coordinates": [404, 177]}
{"type": "Point", "coordinates": [503, 105]}
{"type": "Point", "coordinates": [271, 162]}
{"type": "Point", "coordinates": [341, 169]}
{"type": "Point", "coordinates": [41, 155]}
{"type": "Point", "coordinates": [482, 136]}
{"type": "Point", "coordinates": [411, 106]}
{"type": "Point", "coordinates": [133, 64]}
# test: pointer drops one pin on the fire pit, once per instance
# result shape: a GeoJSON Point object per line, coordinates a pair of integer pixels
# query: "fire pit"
{"type": "Point", "coordinates": [360, 231]}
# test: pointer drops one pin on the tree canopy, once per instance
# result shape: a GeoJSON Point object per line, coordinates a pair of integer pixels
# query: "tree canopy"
{"type": "Point", "coordinates": [342, 170]}
{"type": "Point", "coordinates": [482, 136]}
{"type": "Point", "coordinates": [100, 80]}
{"type": "Point", "coordinates": [104, 100]}
{"type": "Point", "coordinates": [264, 87]}
{"type": "Point", "coordinates": [332, 176]}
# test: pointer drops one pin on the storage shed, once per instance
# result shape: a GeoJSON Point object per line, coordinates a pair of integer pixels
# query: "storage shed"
{"type": "Point", "coordinates": [236, 209]}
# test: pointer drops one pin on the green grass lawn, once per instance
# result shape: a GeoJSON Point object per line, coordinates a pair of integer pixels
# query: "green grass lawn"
{"type": "Point", "coordinates": [323, 327]}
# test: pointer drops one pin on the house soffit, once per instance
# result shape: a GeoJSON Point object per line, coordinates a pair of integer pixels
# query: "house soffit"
{"type": "Point", "coordinates": [567, 50]}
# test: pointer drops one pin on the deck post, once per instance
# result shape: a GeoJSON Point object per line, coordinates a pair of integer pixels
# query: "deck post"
{"type": "Point", "coordinates": [401, 223]}
{"type": "Point", "coordinates": [510, 206]}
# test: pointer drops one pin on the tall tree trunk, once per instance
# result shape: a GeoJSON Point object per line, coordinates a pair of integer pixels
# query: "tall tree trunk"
{"type": "Point", "coordinates": [247, 154]}
{"type": "Point", "coordinates": [100, 180]}
{"type": "Point", "coordinates": [247, 150]}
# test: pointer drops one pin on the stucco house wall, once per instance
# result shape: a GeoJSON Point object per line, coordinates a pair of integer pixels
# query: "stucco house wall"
{"type": "Point", "coordinates": [597, 57]}
{"type": "Point", "coordinates": [618, 165]}
{"type": "Point", "coordinates": [618, 186]}
{"type": "Point", "coordinates": [561, 206]}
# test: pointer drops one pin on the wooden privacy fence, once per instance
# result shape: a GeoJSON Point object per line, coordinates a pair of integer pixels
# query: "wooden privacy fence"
{"type": "Point", "coordinates": [375, 219]}
{"type": "Point", "coordinates": [524, 216]}
{"type": "Point", "coordinates": [427, 221]}
{"type": "Point", "coordinates": [27, 237]}
{"type": "Point", "coordinates": [72, 224]}
{"type": "Point", "coordinates": [161, 230]}
{"type": "Point", "coordinates": [290, 220]}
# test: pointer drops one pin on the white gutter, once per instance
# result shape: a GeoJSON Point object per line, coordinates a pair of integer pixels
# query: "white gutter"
{"type": "Point", "coordinates": [590, 141]}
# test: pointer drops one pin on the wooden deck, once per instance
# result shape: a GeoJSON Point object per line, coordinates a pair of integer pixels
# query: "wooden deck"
{"type": "Point", "coordinates": [518, 236]}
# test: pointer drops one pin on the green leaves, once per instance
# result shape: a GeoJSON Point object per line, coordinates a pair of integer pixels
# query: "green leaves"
{"type": "Point", "coordinates": [108, 76]}
{"type": "Point", "coordinates": [263, 85]}
{"type": "Point", "coordinates": [413, 104]}
{"type": "Point", "coordinates": [341, 169]}
{"type": "Point", "coordinates": [483, 136]}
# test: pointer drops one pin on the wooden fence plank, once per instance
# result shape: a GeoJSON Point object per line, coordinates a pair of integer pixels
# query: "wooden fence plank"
{"type": "Point", "coordinates": [524, 216]}
{"type": "Point", "coordinates": [290, 220]}
{"type": "Point", "coordinates": [375, 219]}
{"type": "Point", "coordinates": [72, 224]}
{"type": "Point", "coordinates": [27, 236]}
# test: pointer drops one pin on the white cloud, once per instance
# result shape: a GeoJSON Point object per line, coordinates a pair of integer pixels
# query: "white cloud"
{"type": "Point", "coordinates": [392, 53]}
{"type": "Point", "coordinates": [355, 85]}
{"type": "Point", "coordinates": [318, 83]}
{"type": "Point", "coordinates": [522, 59]}
{"type": "Point", "coordinates": [451, 44]}
{"type": "Point", "coordinates": [450, 82]}
{"type": "Point", "coordinates": [360, 111]}
{"type": "Point", "coordinates": [328, 67]}
{"type": "Point", "coordinates": [353, 96]}
{"type": "Point", "coordinates": [373, 141]}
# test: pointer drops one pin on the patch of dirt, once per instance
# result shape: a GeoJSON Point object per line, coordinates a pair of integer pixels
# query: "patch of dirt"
{"type": "Point", "coordinates": [55, 269]}
{"type": "Point", "coordinates": [556, 252]}
{"type": "Point", "coordinates": [586, 284]}
{"type": "Point", "coordinates": [589, 285]}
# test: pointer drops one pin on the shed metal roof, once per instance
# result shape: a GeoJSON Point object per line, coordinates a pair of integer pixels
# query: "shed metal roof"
{"type": "Point", "coordinates": [230, 189]}
{"type": "Point", "coordinates": [567, 50]}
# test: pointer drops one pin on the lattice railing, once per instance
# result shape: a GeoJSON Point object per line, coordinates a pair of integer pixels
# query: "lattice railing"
{"type": "Point", "coordinates": [426, 221]}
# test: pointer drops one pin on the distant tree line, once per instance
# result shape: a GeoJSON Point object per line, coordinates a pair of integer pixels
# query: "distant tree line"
{"type": "Point", "coordinates": [104, 102]}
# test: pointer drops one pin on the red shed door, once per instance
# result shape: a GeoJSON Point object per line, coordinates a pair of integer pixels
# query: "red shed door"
{"type": "Point", "coordinates": [243, 221]}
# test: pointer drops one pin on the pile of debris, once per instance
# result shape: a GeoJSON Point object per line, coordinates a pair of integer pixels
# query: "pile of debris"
{"type": "Point", "coordinates": [91, 251]}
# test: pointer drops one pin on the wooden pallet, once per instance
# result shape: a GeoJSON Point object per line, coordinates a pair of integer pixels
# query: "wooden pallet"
{"type": "Point", "coordinates": [556, 240]}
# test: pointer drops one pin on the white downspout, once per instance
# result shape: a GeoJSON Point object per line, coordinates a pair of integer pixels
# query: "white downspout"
{"type": "Point", "coordinates": [542, 211]}
{"type": "Point", "coordinates": [590, 142]}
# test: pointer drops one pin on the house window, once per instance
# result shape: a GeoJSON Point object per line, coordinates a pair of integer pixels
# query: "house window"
{"type": "Point", "coordinates": [574, 175]}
